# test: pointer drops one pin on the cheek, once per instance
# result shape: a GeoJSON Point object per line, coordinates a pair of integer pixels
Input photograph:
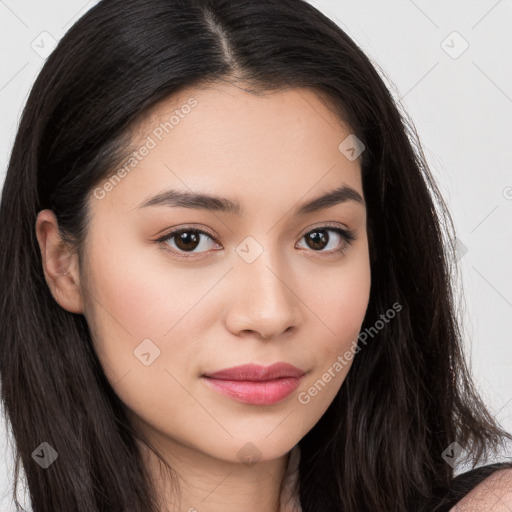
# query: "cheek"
{"type": "Point", "coordinates": [340, 306]}
{"type": "Point", "coordinates": [144, 321]}
{"type": "Point", "coordinates": [339, 302]}
{"type": "Point", "coordinates": [145, 304]}
{"type": "Point", "coordinates": [346, 311]}
{"type": "Point", "coordinates": [135, 296]}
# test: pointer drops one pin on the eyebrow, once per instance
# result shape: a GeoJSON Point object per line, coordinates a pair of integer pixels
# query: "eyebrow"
{"type": "Point", "coordinates": [199, 201]}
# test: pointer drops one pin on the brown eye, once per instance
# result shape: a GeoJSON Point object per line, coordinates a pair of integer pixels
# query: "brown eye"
{"type": "Point", "coordinates": [186, 240]}
{"type": "Point", "coordinates": [319, 239]}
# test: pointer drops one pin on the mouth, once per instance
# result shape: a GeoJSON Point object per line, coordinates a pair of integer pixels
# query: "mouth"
{"type": "Point", "coordinates": [257, 373]}
{"type": "Point", "coordinates": [255, 384]}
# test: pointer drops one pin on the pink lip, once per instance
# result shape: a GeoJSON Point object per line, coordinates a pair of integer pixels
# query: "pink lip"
{"type": "Point", "coordinates": [255, 384]}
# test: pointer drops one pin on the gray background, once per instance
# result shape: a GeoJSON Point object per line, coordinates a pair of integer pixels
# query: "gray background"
{"type": "Point", "coordinates": [460, 100]}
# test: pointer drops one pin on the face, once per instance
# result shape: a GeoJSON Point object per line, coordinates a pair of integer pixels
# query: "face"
{"type": "Point", "coordinates": [263, 281]}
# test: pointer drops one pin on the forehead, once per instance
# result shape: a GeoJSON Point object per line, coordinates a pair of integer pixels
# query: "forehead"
{"type": "Point", "coordinates": [277, 146]}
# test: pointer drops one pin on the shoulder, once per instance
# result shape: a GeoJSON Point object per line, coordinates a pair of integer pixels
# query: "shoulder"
{"type": "Point", "coordinates": [493, 493]}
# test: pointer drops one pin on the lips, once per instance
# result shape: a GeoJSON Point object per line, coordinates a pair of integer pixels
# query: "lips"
{"type": "Point", "coordinates": [257, 373]}
{"type": "Point", "coordinates": [254, 384]}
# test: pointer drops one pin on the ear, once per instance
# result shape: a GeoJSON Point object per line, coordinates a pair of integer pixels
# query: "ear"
{"type": "Point", "coordinates": [60, 266]}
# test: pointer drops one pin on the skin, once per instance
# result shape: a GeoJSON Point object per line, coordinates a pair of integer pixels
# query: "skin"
{"type": "Point", "coordinates": [494, 493]}
{"type": "Point", "coordinates": [294, 303]}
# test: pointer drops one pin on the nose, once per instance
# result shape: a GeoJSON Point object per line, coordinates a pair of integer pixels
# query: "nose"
{"type": "Point", "coordinates": [264, 298]}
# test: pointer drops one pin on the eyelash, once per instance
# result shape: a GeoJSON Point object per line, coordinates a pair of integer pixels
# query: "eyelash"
{"type": "Point", "coordinates": [346, 234]}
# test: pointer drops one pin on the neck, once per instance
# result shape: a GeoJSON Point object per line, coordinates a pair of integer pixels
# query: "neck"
{"type": "Point", "coordinates": [207, 484]}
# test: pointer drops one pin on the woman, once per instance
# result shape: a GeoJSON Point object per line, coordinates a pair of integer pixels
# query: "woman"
{"type": "Point", "coordinates": [226, 285]}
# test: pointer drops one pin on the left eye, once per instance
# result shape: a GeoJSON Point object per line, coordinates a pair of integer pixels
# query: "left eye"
{"type": "Point", "coordinates": [189, 239]}
{"type": "Point", "coordinates": [318, 239]}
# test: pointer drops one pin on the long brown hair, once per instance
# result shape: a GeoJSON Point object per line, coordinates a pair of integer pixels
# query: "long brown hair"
{"type": "Point", "coordinates": [408, 394]}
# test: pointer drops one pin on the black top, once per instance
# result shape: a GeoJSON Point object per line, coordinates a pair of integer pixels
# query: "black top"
{"type": "Point", "coordinates": [465, 482]}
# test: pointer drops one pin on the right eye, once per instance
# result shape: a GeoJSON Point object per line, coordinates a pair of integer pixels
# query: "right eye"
{"type": "Point", "coordinates": [185, 240]}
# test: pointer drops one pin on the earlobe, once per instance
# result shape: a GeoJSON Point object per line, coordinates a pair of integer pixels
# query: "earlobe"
{"type": "Point", "coordinates": [60, 265]}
